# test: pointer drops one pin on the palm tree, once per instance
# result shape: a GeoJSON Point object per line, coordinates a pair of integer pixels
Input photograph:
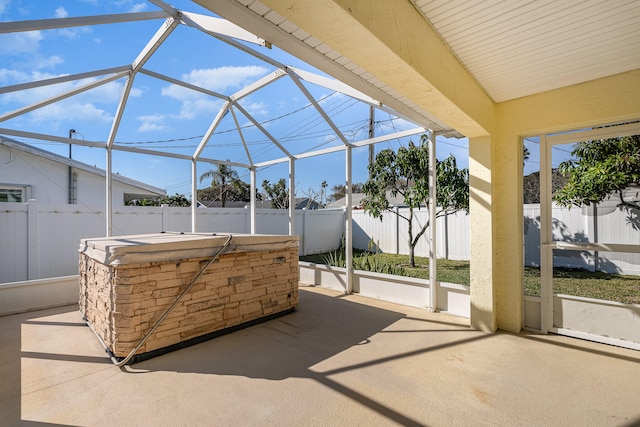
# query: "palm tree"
{"type": "Point", "coordinates": [323, 193]}
{"type": "Point", "coordinates": [222, 178]}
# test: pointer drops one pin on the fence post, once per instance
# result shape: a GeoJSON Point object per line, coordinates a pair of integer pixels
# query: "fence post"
{"type": "Point", "coordinates": [446, 235]}
{"type": "Point", "coordinates": [596, 255]}
{"type": "Point", "coordinates": [247, 220]}
{"type": "Point", "coordinates": [165, 217]}
{"type": "Point", "coordinates": [397, 215]}
{"type": "Point", "coordinates": [304, 232]}
{"type": "Point", "coordinates": [33, 263]}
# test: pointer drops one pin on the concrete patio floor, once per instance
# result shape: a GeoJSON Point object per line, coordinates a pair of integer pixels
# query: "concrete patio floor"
{"type": "Point", "coordinates": [337, 360]}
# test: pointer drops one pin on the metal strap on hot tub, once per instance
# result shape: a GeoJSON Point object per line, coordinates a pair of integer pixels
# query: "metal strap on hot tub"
{"type": "Point", "coordinates": [170, 309]}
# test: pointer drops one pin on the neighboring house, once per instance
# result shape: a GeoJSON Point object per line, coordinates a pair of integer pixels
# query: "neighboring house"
{"type": "Point", "coordinates": [233, 204]}
{"type": "Point", "coordinates": [301, 203]}
{"type": "Point", "coordinates": [31, 173]}
{"type": "Point", "coordinates": [356, 201]}
{"type": "Point", "coordinates": [307, 203]}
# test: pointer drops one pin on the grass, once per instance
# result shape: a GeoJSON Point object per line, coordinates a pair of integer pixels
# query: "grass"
{"type": "Point", "coordinates": [568, 281]}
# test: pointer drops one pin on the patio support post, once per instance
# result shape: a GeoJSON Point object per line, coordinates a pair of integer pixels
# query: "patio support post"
{"type": "Point", "coordinates": [109, 195]}
{"type": "Point", "coordinates": [348, 233]}
{"type": "Point", "coordinates": [292, 196]}
{"type": "Point", "coordinates": [433, 282]}
{"type": "Point", "coordinates": [546, 238]}
{"type": "Point", "coordinates": [481, 206]}
{"type": "Point", "coordinates": [253, 200]}
{"type": "Point", "coordinates": [194, 195]}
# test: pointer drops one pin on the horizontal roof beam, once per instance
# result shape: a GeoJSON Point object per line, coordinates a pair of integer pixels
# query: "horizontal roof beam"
{"type": "Point", "coordinates": [82, 21]}
{"type": "Point", "coordinates": [220, 27]}
{"type": "Point", "coordinates": [181, 83]}
{"type": "Point", "coordinates": [62, 96]}
{"type": "Point", "coordinates": [258, 84]}
{"type": "Point", "coordinates": [63, 79]}
{"type": "Point", "coordinates": [51, 138]}
{"type": "Point", "coordinates": [389, 137]}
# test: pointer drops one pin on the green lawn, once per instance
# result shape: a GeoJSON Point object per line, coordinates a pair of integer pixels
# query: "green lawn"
{"type": "Point", "coordinates": [578, 282]}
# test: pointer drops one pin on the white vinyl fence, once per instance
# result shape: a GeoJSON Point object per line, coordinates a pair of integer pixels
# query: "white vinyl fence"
{"type": "Point", "coordinates": [41, 240]}
{"type": "Point", "coordinates": [390, 235]}
{"type": "Point", "coordinates": [602, 224]}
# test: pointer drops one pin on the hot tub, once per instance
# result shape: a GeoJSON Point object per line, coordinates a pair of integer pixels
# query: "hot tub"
{"type": "Point", "coordinates": [128, 283]}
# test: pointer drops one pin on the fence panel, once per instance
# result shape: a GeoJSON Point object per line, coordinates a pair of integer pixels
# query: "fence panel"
{"type": "Point", "coordinates": [40, 240]}
{"type": "Point", "coordinates": [391, 235]}
{"type": "Point", "coordinates": [60, 229]}
{"type": "Point", "coordinates": [321, 231]}
{"type": "Point", "coordinates": [368, 230]}
{"type": "Point", "coordinates": [618, 226]}
{"type": "Point", "coordinates": [135, 220]}
{"type": "Point", "coordinates": [13, 242]}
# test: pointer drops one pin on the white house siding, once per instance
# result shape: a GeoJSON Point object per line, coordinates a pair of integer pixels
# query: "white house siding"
{"type": "Point", "coordinates": [48, 176]}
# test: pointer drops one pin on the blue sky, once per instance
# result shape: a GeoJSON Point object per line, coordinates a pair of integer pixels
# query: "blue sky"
{"type": "Point", "coordinates": [166, 117]}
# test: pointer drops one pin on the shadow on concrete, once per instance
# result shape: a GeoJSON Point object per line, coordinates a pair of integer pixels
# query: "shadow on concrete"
{"type": "Point", "coordinates": [11, 366]}
{"type": "Point", "coordinates": [293, 345]}
{"type": "Point", "coordinates": [576, 344]}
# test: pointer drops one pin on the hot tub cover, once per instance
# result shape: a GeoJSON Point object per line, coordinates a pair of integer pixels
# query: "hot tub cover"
{"type": "Point", "coordinates": [135, 249]}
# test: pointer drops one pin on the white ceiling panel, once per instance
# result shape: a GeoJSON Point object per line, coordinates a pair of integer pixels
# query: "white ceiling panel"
{"type": "Point", "coordinates": [516, 48]}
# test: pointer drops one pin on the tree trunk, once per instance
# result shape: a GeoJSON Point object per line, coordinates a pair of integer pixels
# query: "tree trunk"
{"type": "Point", "coordinates": [412, 259]}
{"type": "Point", "coordinates": [412, 245]}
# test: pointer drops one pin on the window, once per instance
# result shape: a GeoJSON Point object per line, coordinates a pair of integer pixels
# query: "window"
{"type": "Point", "coordinates": [14, 193]}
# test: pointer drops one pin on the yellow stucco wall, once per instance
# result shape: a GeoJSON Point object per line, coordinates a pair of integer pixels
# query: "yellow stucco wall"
{"type": "Point", "coordinates": [607, 100]}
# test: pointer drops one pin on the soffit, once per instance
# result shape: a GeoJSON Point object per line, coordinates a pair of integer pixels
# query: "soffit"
{"type": "Point", "coordinates": [516, 48]}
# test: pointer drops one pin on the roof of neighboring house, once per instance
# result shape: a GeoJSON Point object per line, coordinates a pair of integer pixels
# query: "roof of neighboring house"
{"type": "Point", "coordinates": [301, 203]}
{"type": "Point", "coordinates": [356, 201]}
{"type": "Point", "coordinates": [234, 204]}
{"type": "Point", "coordinates": [77, 164]}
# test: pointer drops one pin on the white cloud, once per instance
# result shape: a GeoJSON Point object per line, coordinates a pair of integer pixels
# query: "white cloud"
{"type": "Point", "coordinates": [138, 7]}
{"type": "Point", "coordinates": [3, 5]}
{"type": "Point", "coordinates": [152, 123]}
{"type": "Point", "coordinates": [8, 77]}
{"type": "Point", "coordinates": [192, 108]}
{"type": "Point", "coordinates": [64, 110]}
{"type": "Point", "coordinates": [216, 79]}
{"type": "Point", "coordinates": [50, 62]}
{"type": "Point", "coordinates": [18, 43]}
{"type": "Point", "coordinates": [61, 12]}
{"type": "Point", "coordinates": [256, 108]}
{"type": "Point", "coordinates": [108, 93]}
{"type": "Point", "coordinates": [131, 5]}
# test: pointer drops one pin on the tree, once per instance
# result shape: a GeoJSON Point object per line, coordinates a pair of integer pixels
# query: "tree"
{"type": "Point", "coordinates": [531, 185]}
{"type": "Point", "coordinates": [237, 190]}
{"type": "Point", "coordinates": [178, 200]}
{"type": "Point", "coordinates": [405, 173]}
{"type": "Point", "coordinates": [601, 168]}
{"type": "Point", "coordinates": [340, 191]}
{"type": "Point", "coordinates": [277, 193]}
{"type": "Point", "coordinates": [226, 183]}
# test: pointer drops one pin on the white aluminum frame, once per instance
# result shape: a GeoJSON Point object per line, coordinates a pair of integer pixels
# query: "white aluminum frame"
{"type": "Point", "coordinates": [232, 35]}
{"type": "Point", "coordinates": [547, 244]}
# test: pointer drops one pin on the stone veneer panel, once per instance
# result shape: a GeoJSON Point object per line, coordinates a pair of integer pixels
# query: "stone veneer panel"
{"type": "Point", "coordinates": [123, 302]}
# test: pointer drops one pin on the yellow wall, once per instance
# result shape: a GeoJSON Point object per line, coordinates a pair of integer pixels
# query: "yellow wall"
{"type": "Point", "coordinates": [607, 100]}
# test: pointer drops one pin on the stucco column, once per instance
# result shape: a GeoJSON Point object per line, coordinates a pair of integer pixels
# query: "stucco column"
{"type": "Point", "coordinates": [483, 306]}
{"type": "Point", "coordinates": [508, 231]}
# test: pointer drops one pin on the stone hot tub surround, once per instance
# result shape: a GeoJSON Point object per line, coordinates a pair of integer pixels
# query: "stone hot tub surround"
{"type": "Point", "coordinates": [127, 283]}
